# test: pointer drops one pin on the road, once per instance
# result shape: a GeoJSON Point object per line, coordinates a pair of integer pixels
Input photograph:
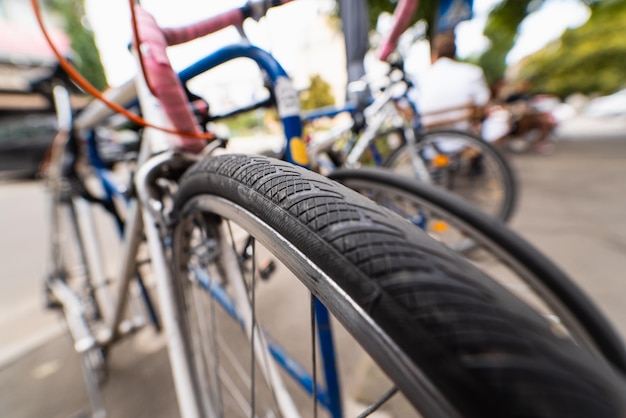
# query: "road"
{"type": "Point", "coordinates": [571, 207]}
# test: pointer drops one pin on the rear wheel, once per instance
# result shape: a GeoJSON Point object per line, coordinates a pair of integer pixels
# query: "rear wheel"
{"type": "Point", "coordinates": [438, 328]}
{"type": "Point", "coordinates": [464, 164]}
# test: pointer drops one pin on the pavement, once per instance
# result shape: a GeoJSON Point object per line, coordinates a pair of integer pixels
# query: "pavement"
{"type": "Point", "coordinates": [571, 208]}
{"type": "Point", "coordinates": [584, 127]}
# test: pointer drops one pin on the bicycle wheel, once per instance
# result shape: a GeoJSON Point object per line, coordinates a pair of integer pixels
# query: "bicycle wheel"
{"type": "Point", "coordinates": [464, 164]}
{"type": "Point", "coordinates": [437, 327]}
{"type": "Point", "coordinates": [496, 249]}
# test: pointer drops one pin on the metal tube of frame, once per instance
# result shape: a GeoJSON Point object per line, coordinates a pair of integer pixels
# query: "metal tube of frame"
{"type": "Point", "coordinates": [329, 363]}
{"type": "Point", "coordinates": [74, 314]}
{"type": "Point", "coordinates": [130, 245]}
{"type": "Point", "coordinates": [155, 141]}
{"type": "Point", "coordinates": [87, 231]}
{"type": "Point", "coordinates": [96, 112]}
{"type": "Point", "coordinates": [366, 138]}
{"type": "Point", "coordinates": [374, 111]}
{"type": "Point", "coordinates": [179, 362]}
{"type": "Point", "coordinates": [419, 167]}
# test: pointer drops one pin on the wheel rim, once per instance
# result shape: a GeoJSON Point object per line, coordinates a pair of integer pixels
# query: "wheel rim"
{"type": "Point", "coordinates": [463, 166]}
{"type": "Point", "coordinates": [315, 281]}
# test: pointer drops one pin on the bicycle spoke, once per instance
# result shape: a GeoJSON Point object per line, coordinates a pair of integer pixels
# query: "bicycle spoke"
{"type": "Point", "coordinates": [253, 326]}
{"type": "Point", "coordinates": [313, 353]}
{"type": "Point", "coordinates": [235, 393]}
{"type": "Point", "coordinates": [206, 358]}
{"type": "Point", "coordinates": [259, 349]}
{"type": "Point", "coordinates": [375, 406]}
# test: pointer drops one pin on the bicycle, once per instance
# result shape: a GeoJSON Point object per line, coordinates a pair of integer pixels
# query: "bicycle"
{"type": "Point", "coordinates": [369, 267]}
{"type": "Point", "coordinates": [389, 132]}
{"type": "Point", "coordinates": [449, 221]}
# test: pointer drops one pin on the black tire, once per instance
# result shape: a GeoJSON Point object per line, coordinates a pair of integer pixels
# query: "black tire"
{"type": "Point", "coordinates": [490, 234]}
{"type": "Point", "coordinates": [454, 339]}
{"type": "Point", "coordinates": [488, 172]}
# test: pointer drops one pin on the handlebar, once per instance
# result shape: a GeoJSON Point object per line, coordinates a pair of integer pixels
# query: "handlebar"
{"type": "Point", "coordinates": [255, 9]}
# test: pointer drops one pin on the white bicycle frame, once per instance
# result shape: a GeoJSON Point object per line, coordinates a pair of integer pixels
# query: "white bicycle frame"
{"type": "Point", "coordinates": [376, 114]}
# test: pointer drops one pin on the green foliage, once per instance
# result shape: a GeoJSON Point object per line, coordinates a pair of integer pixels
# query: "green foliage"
{"type": "Point", "coordinates": [501, 30]}
{"type": "Point", "coordinates": [319, 94]}
{"type": "Point", "coordinates": [253, 122]}
{"type": "Point", "coordinates": [589, 59]}
{"type": "Point", "coordinates": [245, 123]}
{"type": "Point", "coordinates": [87, 58]}
{"type": "Point", "coordinates": [427, 10]}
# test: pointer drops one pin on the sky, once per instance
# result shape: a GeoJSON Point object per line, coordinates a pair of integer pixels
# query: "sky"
{"type": "Point", "coordinates": [539, 28]}
{"type": "Point", "coordinates": [288, 31]}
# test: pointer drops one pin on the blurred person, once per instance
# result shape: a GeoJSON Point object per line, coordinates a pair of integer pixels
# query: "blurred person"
{"type": "Point", "coordinates": [448, 93]}
{"type": "Point", "coordinates": [526, 119]}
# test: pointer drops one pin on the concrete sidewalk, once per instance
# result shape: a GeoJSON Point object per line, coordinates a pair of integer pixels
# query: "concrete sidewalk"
{"type": "Point", "coordinates": [572, 207]}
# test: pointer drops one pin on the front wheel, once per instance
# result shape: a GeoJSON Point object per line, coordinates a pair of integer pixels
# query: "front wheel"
{"type": "Point", "coordinates": [463, 164]}
{"type": "Point", "coordinates": [260, 342]}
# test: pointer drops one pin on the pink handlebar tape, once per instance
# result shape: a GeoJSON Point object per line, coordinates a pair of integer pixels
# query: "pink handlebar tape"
{"type": "Point", "coordinates": [402, 16]}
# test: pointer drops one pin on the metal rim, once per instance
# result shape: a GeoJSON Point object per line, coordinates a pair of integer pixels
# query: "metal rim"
{"type": "Point", "coordinates": [409, 379]}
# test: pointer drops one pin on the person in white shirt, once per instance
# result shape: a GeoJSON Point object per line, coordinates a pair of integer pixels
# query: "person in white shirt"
{"type": "Point", "coordinates": [449, 93]}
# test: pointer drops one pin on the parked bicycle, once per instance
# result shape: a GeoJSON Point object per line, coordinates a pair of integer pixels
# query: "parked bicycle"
{"type": "Point", "coordinates": [389, 132]}
{"type": "Point", "coordinates": [204, 227]}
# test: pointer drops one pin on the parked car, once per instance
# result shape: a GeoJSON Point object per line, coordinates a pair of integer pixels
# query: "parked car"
{"type": "Point", "coordinates": [24, 141]}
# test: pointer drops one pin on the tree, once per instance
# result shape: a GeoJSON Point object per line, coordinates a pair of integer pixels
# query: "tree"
{"type": "Point", "coordinates": [501, 30]}
{"type": "Point", "coordinates": [427, 11]}
{"type": "Point", "coordinates": [319, 94]}
{"type": "Point", "coordinates": [87, 59]}
{"type": "Point", "coordinates": [589, 59]}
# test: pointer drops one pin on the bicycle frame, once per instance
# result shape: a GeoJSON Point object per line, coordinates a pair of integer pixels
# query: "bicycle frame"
{"type": "Point", "coordinates": [382, 109]}
{"type": "Point", "coordinates": [144, 216]}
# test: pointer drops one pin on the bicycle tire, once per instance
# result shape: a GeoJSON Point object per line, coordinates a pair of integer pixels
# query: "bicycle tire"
{"type": "Point", "coordinates": [518, 254]}
{"type": "Point", "coordinates": [446, 326]}
{"type": "Point", "coordinates": [499, 170]}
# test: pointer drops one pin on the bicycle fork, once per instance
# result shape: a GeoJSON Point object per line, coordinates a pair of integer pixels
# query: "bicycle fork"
{"type": "Point", "coordinates": [156, 226]}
